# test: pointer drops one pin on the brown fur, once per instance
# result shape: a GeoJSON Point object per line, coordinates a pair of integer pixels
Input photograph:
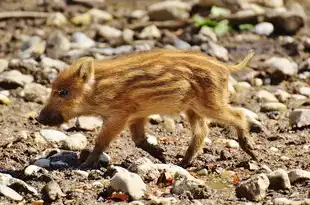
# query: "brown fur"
{"type": "Point", "coordinates": [126, 90]}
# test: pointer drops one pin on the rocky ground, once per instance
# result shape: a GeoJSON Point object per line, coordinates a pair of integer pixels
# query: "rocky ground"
{"type": "Point", "coordinates": [38, 165]}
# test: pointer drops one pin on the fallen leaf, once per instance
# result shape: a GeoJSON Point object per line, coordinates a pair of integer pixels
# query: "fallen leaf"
{"type": "Point", "coordinates": [118, 197]}
{"type": "Point", "coordinates": [236, 180]}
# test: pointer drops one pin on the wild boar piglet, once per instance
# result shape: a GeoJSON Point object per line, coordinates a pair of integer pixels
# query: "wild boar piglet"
{"type": "Point", "coordinates": [127, 89]}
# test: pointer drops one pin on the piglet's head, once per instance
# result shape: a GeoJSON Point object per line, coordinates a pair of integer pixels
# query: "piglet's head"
{"type": "Point", "coordinates": [70, 91]}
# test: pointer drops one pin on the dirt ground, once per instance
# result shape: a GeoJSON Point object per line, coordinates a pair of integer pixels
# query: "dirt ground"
{"type": "Point", "coordinates": [17, 152]}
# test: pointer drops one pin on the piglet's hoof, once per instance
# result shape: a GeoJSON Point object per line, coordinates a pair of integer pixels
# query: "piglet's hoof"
{"type": "Point", "coordinates": [153, 150]}
{"type": "Point", "coordinates": [91, 161]}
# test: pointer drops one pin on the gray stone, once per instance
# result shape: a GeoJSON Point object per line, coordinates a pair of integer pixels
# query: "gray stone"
{"type": "Point", "coordinates": [205, 34]}
{"type": "Point", "coordinates": [80, 40]}
{"type": "Point", "coordinates": [265, 96]}
{"type": "Point", "coordinates": [298, 174]}
{"type": "Point", "coordinates": [180, 44]}
{"type": "Point", "coordinates": [34, 92]}
{"type": "Point", "coordinates": [10, 193]}
{"type": "Point", "coordinates": [196, 188]}
{"type": "Point", "coordinates": [281, 65]}
{"type": "Point", "coordinates": [34, 170]}
{"type": "Point", "coordinates": [128, 35]}
{"type": "Point", "coordinates": [111, 34]}
{"type": "Point", "coordinates": [57, 44]}
{"type": "Point", "coordinates": [53, 63]}
{"type": "Point", "coordinates": [44, 163]}
{"type": "Point", "coordinates": [14, 79]}
{"type": "Point", "coordinates": [218, 51]}
{"type": "Point", "coordinates": [264, 28]}
{"type": "Point", "coordinates": [4, 64]}
{"type": "Point", "coordinates": [169, 10]}
{"type": "Point", "coordinates": [150, 32]}
{"type": "Point", "coordinates": [128, 182]}
{"type": "Point", "coordinates": [279, 180]}
{"type": "Point", "coordinates": [63, 159]}
{"type": "Point", "coordinates": [88, 123]}
{"type": "Point", "coordinates": [282, 95]}
{"type": "Point", "coordinates": [52, 135]}
{"type": "Point", "coordinates": [75, 142]}
{"type": "Point", "coordinates": [300, 118]}
{"type": "Point", "coordinates": [253, 189]}
{"type": "Point", "coordinates": [123, 49]}
{"type": "Point", "coordinates": [273, 106]}
{"type": "Point", "coordinates": [34, 45]}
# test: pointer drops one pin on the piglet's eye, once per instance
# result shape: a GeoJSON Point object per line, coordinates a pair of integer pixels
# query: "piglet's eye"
{"type": "Point", "coordinates": [63, 92]}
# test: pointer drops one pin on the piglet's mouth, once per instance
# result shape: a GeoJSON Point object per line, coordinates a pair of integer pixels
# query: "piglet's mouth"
{"type": "Point", "coordinates": [50, 117]}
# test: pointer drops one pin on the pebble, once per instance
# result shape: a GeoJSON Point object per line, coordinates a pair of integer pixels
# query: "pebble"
{"type": "Point", "coordinates": [75, 142]}
{"type": "Point", "coordinates": [100, 15]}
{"type": "Point", "coordinates": [44, 163]}
{"type": "Point", "coordinates": [34, 170]}
{"type": "Point", "coordinates": [52, 135]}
{"type": "Point", "coordinates": [305, 91]}
{"type": "Point", "coordinates": [53, 63]}
{"type": "Point", "coordinates": [150, 32]}
{"type": "Point", "coordinates": [8, 180]}
{"type": "Point", "coordinates": [257, 82]}
{"type": "Point", "coordinates": [53, 191]}
{"type": "Point", "coordinates": [300, 118]}
{"type": "Point", "coordinates": [285, 201]}
{"type": "Point", "coordinates": [14, 79]}
{"type": "Point", "coordinates": [138, 14]}
{"type": "Point", "coordinates": [34, 45]}
{"type": "Point", "coordinates": [282, 66]}
{"type": "Point", "coordinates": [207, 141]}
{"type": "Point", "coordinates": [298, 97]}
{"type": "Point", "coordinates": [169, 10]}
{"type": "Point", "coordinates": [180, 44]}
{"type": "Point", "coordinates": [88, 123]}
{"type": "Point", "coordinates": [10, 193]}
{"type": "Point", "coordinates": [279, 180]}
{"type": "Point", "coordinates": [253, 189]}
{"type": "Point", "coordinates": [81, 173]}
{"type": "Point", "coordinates": [123, 49]}
{"type": "Point", "coordinates": [232, 144]}
{"type": "Point", "coordinates": [111, 34]}
{"type": "Point", "coordinates": [273, 106]}
{"type": "Point", "coordinates": [218, 51]}
{"type": "Point", "coordinates": [58, 42]}
{"type": "Point", "coordinates": [265, 96]}
{"type": "Point", "coordinates": [81, 41]}
{"type": "Point", "coordinates": [56, 19]}
{"type": "Point", "coordinates": [205, 34]}
{"type": "Point", "coordinates": [155, 119]}
{"type": "Point", "coordinates": [282, 95]}
{"type": "Point", "coordinates": [4, 64]}
{"type": "Point", "coordinates": [63, 159]}
{"type": "Point", "coordinates": [34, 92]}
{"type": "Point", "coordinates": [4, 100]}
{"type": "Point", "coordinates": [242, 86]}
{"type": "Point", "coordinates": [298, 174]}
{"type": "Point", "coordinates": [274, 3]}
{"type": "Point", "coordinates": [264, 28]}
{"type": "Point", "coordinates": [82, 19]}
{"type": "Point", "coordinates": [162, 200]}
{"type": "Point", "coordinates": [274, 149]}
{"type": "Point", "coordinates": [128, 35]}
{"type": "Point", "coordinates": [128, 182]}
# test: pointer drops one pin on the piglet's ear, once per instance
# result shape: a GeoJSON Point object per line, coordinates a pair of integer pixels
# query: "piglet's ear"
{"type": "Point", "coordinates": [86, 69]}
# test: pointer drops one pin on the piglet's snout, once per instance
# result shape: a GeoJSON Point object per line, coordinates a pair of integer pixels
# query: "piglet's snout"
{"type": "Point", "coordinates": [50, 117]}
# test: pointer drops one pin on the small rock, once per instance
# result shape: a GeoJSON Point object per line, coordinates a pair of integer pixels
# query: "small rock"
{"type": "Point", "coordinates": [242, 86]}
{"type": "Point", "coordinates": [80, 40]}
{"type": "Point", "coordinates": [274, 149]}
{"type": "Point", "coordinates": [4, 64]}
{"type": "Point", "coordinates": [8, 180]}
{"type": "Point", "coordinates": [150, 32]}
{"type": "Point", "coordinates": [56, 19]}
{"type": "Point", "coordinates": [151, 139]}
{"type": "Point", "coordinates": [195, 188]}
{"type": "Point", "coordinates": [155, 119]}
{"type": "Point", "coordinates": [111, 34]}
{"type": "Point", "coordinates": [169, 10]}
{"type": "Point", "coordinates": [88, 123]}
{"type": "Point", "coordinates": [162, 200]}
{"type": "Point", "coordinates": [282, 95]}
{"type": "Point", "coordinates": [264, 28]}
{"type": "Point", "coordinates": [100, 15]}
{"type": "Point", "coordinates": [33, 170]}
{"type": "Point", "coordinates": [34, 92]}
{"type": "Point", "coordinates": [257, 82]}
{"type": "Point", "coordinates": [63, 159]}
{"type": "Point", "coordinates": [205, 34]}
{"type": "Point", "coordinates": [128, 35]}
{"type": "Point", "coordinates": [44, 163]}
{"type": "Point", "coordinates": [298, 97]}
{"type": "Point", "coordinates": [10, 193]}
{"type": "Point", "coordinates": [305, 91]}
{"type": "Point", "coordinates": [81, 173]}
{"type": "Point", "coordinates": [265, 96]}
{"type": "Point", "coordinates": [274, 3]}
{"type": "Point", "coordinates": [265, 169]}
{"type": "Point", "coordinates": [273, 106]}
{"type": "Point", "coordinates": [52, 135]}
{"type": "Point", "coordinates": [207, 141]}
{"type": "Point", "coordinates": [4, 100]}
{"type": "Point", "coordinates": [57, 44]}
{"type": "Point", "coordinates": [13, 79]}
{"type": "Point", "coordinates": [253, 166]}
{"type": "Point", "coordinates": [123, 49]}
{"type": "Point", "coordinates": [300, 118]}
{"type": "Point", "coordinates": [298, 174]}
{"type": "Point", "coordinates": [218, 51]}
{"type": "Point", "coordinates": [128, 182]}
{"type": "Point", "coordinates": [253, 189]}
{"type": "Point", "coordinates": [53, 63]}
{"type": "Point", "coordinates": [82, 19]}
{"type": "Point", "coordinates": [180, 44]}
{"type": "Point", "coordinates": [279, 180]}
{"type": "Point", "coordinates": [53, 191]}
{"type": "Point", "coordinates": [232, 144]}
{"type": "Point", "coordinates": [138, 14]}
{"type": "Point", "coordinates": [34, 45]}
{"type": "Point", "coordinates": [284, 158]}
{"type": "Point", "coordinates": [75, 142]}
{"type": "Point", "coordinates": [281, 66]}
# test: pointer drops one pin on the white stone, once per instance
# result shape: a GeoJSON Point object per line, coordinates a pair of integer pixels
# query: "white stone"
{"type": "Point", "coordinates": [282, 65]}
{"type": "Point", "coordinates": [10, 193]}
{"type": "Point", "coordinates": [128, 35]}
{"type": "Point", "coordinates": [265, 96]}
{"type": "Point", "coordinates": [34, 92]}
{"type": "Point", "coordinates": [169, 10]}
{"type": "Point", "coordinates": [100, 15]}
{"type": "Point", "coordinates": [150, 32]}
{"type": "Point", "coordinates": [273, 106]}
{"type": "Point", "coordinates": [80, 40]}
{"type": "Point", "coordinates": [184, 184]}
{"type": "Point", "coordinates": [4, 64]}
{"type": "Point", "coordinates": [305, 91]}
{"type": "Point", "coordinates": [110, 33]}
{"type": "Point", "coordinates": [82, 19]}
{"type": "Point", "coordinates": [282, 95]}
{"type": "Point", "coordinates": [242, 86]}
{"type": "Point", "coordinates": [274, 3]}
{"type": "Point", "coordinates": [274, 149]}
{"type": "Point", "coordinates": [4, 100]}
{"type": "Point", "coordinates": [300, 117]}
{"type": "Point", "coordinates": [232, 144]}
{"type": "Point", "coordinates": [156, 118]}
{"type": "Point", "coordinates": [298, 174]}
{"type": "Point", "coordinates": [253, 189]}
{"type": "Point", "coordinates": [53, 63]}
{"type": "Point", "coordinates": [34, 170]}
{"type": "Point", "coordinates": [151, 139]}
{"type": "Point", "coordinates": [52, 135]}
{"type": "Point", "coordinates": [279, 180]}
{"type": "Point", "coordinates": [128, 182]}
{"type": "Point", "coordinates": [169, 123]}
{"type": "Point", "coordinates": [81, 173]}
{"type": "Point", "coordinates": [264, 28]}
{"type": "Point", "coordinates": [88, 122]}
{"type": "Point", "coordinates": [218, 51]}
{"type": "Point", "coordinates": [298, 97]}
{"type": "Point", "coordinates": [206, 34]}
{"type": "Point", "coordinates": [15, 78]}
{"type": "Point", "coordinates": [75, 142]}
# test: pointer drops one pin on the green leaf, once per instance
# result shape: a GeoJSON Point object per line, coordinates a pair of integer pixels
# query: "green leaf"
{"type": "Point", "coordinates": [245, 27]}
{"type": "Point", "coordinates": [222, 28]}
{"type": "Point", "coordinates": [219, 11]}
{"type": "Point", "coordinates": [200, 21]}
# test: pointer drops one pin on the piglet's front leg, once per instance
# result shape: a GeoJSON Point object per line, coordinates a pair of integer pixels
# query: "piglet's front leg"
{"type": "Point", "coordinates": [111, 129]}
